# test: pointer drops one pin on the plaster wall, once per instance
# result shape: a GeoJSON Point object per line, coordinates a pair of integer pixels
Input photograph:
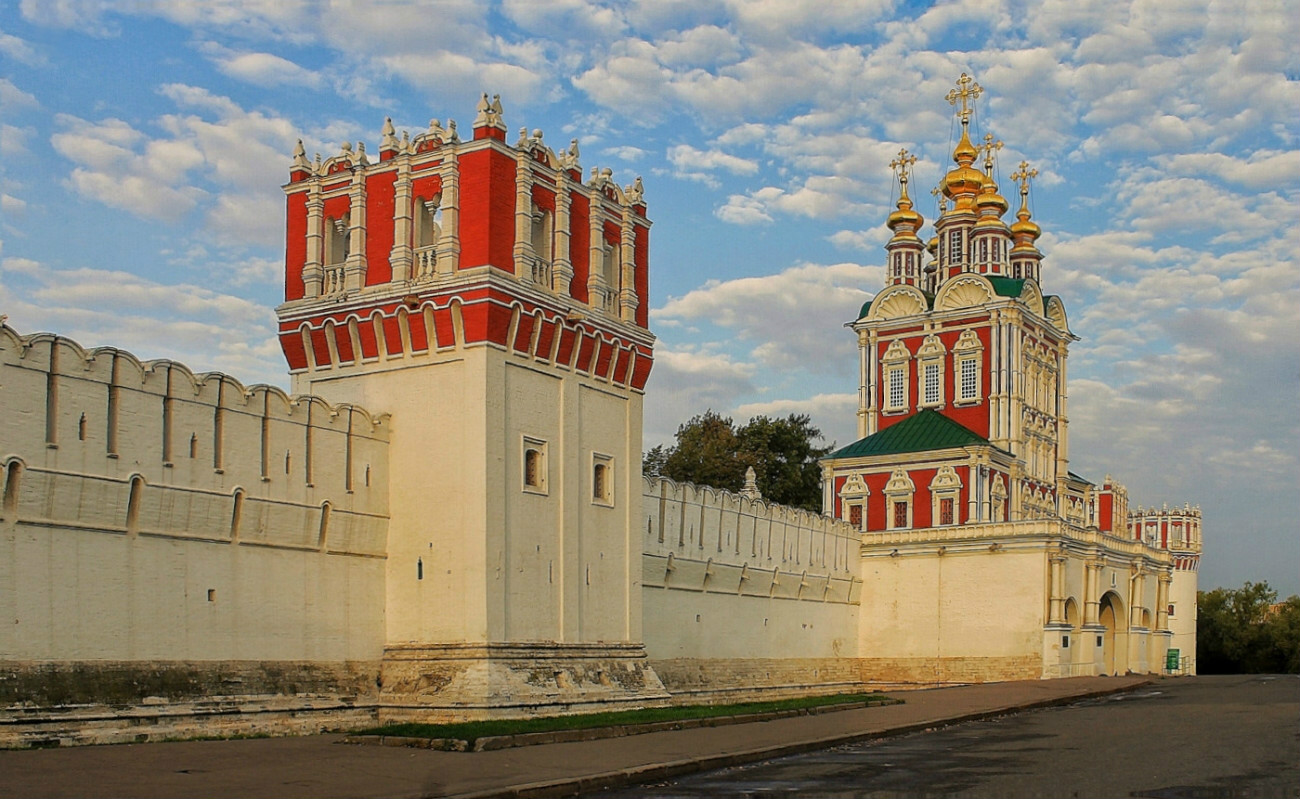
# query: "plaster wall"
{"type": "Point", "coordinates": [741, 595]}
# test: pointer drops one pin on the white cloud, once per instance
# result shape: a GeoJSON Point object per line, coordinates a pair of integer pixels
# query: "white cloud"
{"type": "Point", "coordinates": [687, 382]}
{"type": "Point", "coordinates": [12, 205]}
{"type": "Point", "coordinates": [690, 163]}
{"type": "Point", "coordinates": [266, 69]}
{"type": "Point", "coordinates": [13, 140]}
{"type": "Point", "coordinates": [773, 312]}
{"type": "Point", "coordinates": [19, 50]}
{"type": "Point", "coordinates": [12, 97]}
{"type": "Point", "coordinates": [202, 328]}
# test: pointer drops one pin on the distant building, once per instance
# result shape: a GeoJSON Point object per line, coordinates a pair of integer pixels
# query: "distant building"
{"type": "Point", "coordinates": [983, 556]}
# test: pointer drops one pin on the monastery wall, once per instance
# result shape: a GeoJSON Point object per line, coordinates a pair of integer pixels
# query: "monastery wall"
{"type": "Point", "coordinates": [181, 543]}
{"type": "Point", "coordinates": [742, 597]}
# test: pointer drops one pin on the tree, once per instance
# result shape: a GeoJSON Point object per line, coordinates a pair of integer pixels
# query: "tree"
{"type": "Point", "coordinates": [712, 451]}
{"type": "Point", "coordinates": [1246, 631]}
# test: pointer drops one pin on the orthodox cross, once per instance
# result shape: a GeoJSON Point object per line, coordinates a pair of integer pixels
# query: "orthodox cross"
{"type": "Point", "coordinates": [968, 89]}
{"type": "Point", "coordinates": [989, 147]}
{"type": "Point", "coordinates": [900, 165]}
{"type": "Point", "coordinates": [1022, 176]}
{"type": "Point", "coordinates": [937, 193]}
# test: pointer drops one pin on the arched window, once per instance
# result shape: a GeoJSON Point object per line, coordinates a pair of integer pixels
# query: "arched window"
{"type": "Point", "coordinates": [534, 465]}
{"type": "Point", "coordinates": [13, 473]}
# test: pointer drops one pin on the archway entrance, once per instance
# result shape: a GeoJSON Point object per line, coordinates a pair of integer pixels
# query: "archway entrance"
{"type": "Point", "coordinates": [1114, 658]}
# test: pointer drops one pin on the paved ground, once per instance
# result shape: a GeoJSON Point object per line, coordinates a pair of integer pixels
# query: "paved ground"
{"type": "Point", "coordinates": [318, 766]}
{"type": "Point", "coordinates": [1231, 737]}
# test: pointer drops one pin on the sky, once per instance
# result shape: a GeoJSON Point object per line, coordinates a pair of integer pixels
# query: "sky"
{"type": "Point", "coordinates": [143, 146]}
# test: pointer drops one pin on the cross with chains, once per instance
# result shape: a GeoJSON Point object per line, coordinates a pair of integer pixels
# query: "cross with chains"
{"type": "Point", "coordinates": [969, 89]}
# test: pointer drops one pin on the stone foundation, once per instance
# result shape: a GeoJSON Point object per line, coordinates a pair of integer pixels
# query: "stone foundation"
{"type": "Point", "coordinates": [458, 682]}
{"type": "Point", "coordinates": [63, 704]}
{"type": "Point", "coordinates": [925, 672]}
{"type": "Point", "coordinates": [724, 680]}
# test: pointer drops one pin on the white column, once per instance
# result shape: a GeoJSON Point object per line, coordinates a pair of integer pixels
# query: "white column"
{"type": "Point", "coordinates": [401, 254]}
{"type": "Point", "coordinates": [449, 254]}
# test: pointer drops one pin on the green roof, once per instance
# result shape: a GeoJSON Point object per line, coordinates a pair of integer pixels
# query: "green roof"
{"type": "Point", "coordinates": [1006, 286]}
{"type": "Point", "coordinates": [920, 432]}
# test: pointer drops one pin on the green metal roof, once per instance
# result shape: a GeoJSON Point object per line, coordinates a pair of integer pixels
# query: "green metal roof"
{"type": "Point", "coordinates": [920, 432]}
{"type": "Point", "coordinates": [1006, 286]}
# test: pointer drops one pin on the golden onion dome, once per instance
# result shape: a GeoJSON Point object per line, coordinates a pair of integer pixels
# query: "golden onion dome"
{"type": "Point", "coordinates": [1025, 230]}
{"type": "Point", "coordinates": [905, 221]}
{"type": "Point", "coordinates": [989, 198]}
{"type": "Point", "coordinates": [932, 246]}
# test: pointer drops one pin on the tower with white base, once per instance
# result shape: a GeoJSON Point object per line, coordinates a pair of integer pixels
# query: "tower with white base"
{"type": "Point", "coordinates": [495, 305]}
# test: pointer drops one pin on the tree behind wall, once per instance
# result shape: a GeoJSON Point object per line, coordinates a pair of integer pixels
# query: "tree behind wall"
{"type": "Point", "coordinates": [1247, 631]}
{"type": "Point", "coordinates": [712, 451]}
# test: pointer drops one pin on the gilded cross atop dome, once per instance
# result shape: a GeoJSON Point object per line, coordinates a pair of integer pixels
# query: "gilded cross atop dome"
{"type": "Point", "coordinates": [901, 165]}
{"type": "Point", "coordinates": [989, 148]}
{"type": "Point", "coordinates": [1023, 175]}
{"type": "Point", "coordinates": [967, 89]}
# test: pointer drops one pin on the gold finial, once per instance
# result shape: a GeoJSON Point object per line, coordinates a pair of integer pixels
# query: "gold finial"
{"type": "Point", "coordinates": [989, 147]}
{"type": "Point", "coordinates": [967, 89]}
{"type": "Point", "coordinates": [901, 165]}
{"type": "Point", "coordinates": [1022, 176]}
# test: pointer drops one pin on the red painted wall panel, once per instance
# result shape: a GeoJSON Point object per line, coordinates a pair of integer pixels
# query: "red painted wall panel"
{"type": "Point", "coordinates": [369, 343]}
{"type": "Point", "coordinates": [604, 358]}
{"type": "Point", "coordinates": [380, 189]}
{"type": "Point", "coordinates": [585, 350]}
{"type": "Point", "coordinates": [568, 336]}
{"type": "Point", "coordinates": [620, 368]}
{"type": "Point", "coordinates": [419, 336]}
{"type": "Point", "coordinates": [444, 328]}
{"type": "Point", "coordinates": [320, 347]}
{"type": "Point", "coordinates": [643, 277]}
{"type": "Point", "coordinates": [579, 245]}
{"type": "Point", "coordinates": [487, 210]}
{"type": "Point", "coordinates": [524, 335]}
{"type": "Point", "coordinates": [544, 339]}
{"type": "Point", "coordinates": [343, 342]}
{"type": "Point", "coordinates": [392, 336]}
{"type": "Point", "coordinates": [294, 352]}
{"type": "Point", "coordinates": [295, 250]}
{"type": "Point", "coordinates": [642, 367]}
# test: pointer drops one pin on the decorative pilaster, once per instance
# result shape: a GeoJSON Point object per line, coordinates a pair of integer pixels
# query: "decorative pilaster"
{"type": "Point", "coordinates": [627, 301]}
{"type": "Point", "coordinates": [313, 272]}
{"type": "Point", "coordinates": [562, 267]}
{"type": "Point", "coordinates": [1056, 578]}
{"type": "Point", "coordinates": [523, 250]}
{"type": "Point", "coordinates": [1091, 593]}
{"type": "Point", "coordinates": [449, 253]}
{"type": "Point", "coordinates": [1135, 599]}
{"type": "Point", "coordinates": [1162, 602]}
{"type": "Point", "coordinates": [596, 288]}
{"type": "Point", "coordinates": [402, 254]}
{"type": "Point", "coordinates": [354, 269]}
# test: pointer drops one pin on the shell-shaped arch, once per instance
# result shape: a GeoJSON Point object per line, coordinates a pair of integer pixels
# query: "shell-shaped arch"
{"type": "Point", "coordinates": [1032, 296]}
{"type": "Point", "coordinates": [896, 301]}
{"type": "Point", "coordinates": [1055, 310]}
{"type": "Point", "coordinates": [964, 291]}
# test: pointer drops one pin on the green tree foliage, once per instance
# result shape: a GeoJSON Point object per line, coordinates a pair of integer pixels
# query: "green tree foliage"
{"type": "Point", "coordinates": [1247, 631]}
{"type": "Point", "coordinates": [711, 450]}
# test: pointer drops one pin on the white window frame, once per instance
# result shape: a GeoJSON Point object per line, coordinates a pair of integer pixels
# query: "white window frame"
{"type": "Point", "coordinates": [929, 361]}
{"type": "Point", "coordinates": [538, 445]}
{"type": "Point", "coordinates": [945, 485]}
{"type": "Point", "coordinates": [854, 493]}
{"type": "Point", "coordinates": [896, 362]}
{"type": "Point", "coordinates": [900, 488]}
{"type": "Point", "coordinates": [968, 349]}
{"type": "Point", "coordinates": [605, 497]}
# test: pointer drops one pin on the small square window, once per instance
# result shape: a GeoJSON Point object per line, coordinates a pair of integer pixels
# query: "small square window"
{"type": "Point", "coordinates": [1065, 642]}
{"type": "Point", "coordinates": [855, 516]}
{"type": "Point", "coordinates": [1171, 610]}
{"type": "Point", "coordinates": [535, 471]}
{"type": "Point", "coordinates": [602, 479]}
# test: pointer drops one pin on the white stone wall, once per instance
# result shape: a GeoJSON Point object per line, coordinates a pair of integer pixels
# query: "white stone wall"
{"type": "Point", "coordinates": [151, 514]}
{"type": "Point", "coordinates": [741, 594]}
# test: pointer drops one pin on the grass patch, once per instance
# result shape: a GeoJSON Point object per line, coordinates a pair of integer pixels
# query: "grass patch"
{"type": "Point", "coordinates": [472, 730]}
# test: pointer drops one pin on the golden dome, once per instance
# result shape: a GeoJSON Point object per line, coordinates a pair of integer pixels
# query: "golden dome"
{"type": "Point", "coordinates": [961, 184]}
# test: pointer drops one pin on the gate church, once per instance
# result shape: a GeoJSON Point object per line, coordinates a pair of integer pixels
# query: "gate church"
{"type": "Point", "coordinates": [447, 518]}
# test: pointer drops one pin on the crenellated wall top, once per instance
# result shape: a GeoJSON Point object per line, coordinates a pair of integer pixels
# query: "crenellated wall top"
{"type": "Point", "coordinates": [59, 355]}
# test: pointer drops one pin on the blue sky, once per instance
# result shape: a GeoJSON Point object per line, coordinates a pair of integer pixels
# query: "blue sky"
{"type": "Point", "coordinates": [142, 146]}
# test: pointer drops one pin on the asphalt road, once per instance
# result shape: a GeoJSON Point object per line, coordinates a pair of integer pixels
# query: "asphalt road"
{"type": "Point", "coordinates": [1222, 737]}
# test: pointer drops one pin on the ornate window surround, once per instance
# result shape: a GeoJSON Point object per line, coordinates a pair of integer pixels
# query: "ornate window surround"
{"type": "Point", "coordinates": [854, 493]}
{"type": "Point", "coordinates": [945, 485]}
{"type": "Point", "coordinates": [900, 488]}
{"type": "Point", "coordinates": [968, 349]}
{"type": "Point", "coordinates": [895, 361]}
{"type": "Point", "coordinates": [931, 354]}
